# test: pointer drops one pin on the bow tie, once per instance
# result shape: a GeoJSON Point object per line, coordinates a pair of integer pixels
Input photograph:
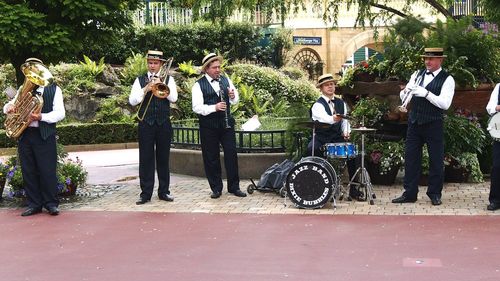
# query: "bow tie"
{"type": "Point", "coordinates": [214, 80]}
{"type": "Point", "coordinates": [429, 73]}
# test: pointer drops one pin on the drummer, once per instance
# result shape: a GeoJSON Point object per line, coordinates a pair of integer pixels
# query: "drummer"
{"type": "Point", "coordinates": [330, 110]}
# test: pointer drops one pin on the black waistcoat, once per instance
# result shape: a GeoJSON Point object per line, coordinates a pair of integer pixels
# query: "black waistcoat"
{"type": "Point", "coordinates": [158, 110]}
{"type": "Point", "coordinates": [48, 129]}
{"type": "Point", "coordinates": [210, 97]}
{"type": "Point", "coordinates": [326, 135]}
{"type": "Point", "coordinates": [422, 110]}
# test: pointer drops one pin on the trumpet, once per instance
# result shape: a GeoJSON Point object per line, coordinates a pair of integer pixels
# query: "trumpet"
{"type": "Point", "coordinates": [407, 94]}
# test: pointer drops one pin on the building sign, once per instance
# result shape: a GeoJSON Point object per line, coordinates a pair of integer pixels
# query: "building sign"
{"type": "Point", "coordinates": [302, 40]}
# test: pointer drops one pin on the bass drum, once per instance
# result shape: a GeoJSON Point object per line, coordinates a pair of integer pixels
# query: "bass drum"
{"type": "Point", "coordinates": [311, 183]}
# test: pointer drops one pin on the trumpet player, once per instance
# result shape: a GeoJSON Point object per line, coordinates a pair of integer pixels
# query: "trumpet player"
{"type": "Point", "coordinates": [212, 96]}
{"type": "Point", "coordinates": [432, 89]}
{"type": "Point", "coordinates": [155, 129]}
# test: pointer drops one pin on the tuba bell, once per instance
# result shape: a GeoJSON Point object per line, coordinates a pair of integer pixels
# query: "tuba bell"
{"type": "Point", "coordinates": [28, 100]}
{"type": "Point", "coordinates": [160, 89]}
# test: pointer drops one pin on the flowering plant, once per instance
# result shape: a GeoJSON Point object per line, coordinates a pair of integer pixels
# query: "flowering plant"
{"type": "Point", "coordinates": [70, 174]}
{"type": "Point", "coordinates": [4, 170]}
{"type": "Point", "coordinates": [386, 154]}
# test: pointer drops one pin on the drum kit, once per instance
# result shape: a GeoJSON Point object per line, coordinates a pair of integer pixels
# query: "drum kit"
{"type": "Point", "coordinates": [313, 181]}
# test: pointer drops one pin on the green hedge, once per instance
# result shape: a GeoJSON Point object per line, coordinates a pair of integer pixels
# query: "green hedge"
{"type": "Point", "coordinates": [87, 134]}
{"type": "Point", "coordinates": [183, 42]}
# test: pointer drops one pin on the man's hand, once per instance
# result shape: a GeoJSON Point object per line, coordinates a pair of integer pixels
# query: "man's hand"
{"type": "Point", "coordinates": [11, 109]}
{"type": "Point", "coordinates": [221, 106]}
{"type": "Point", "coordinates": [230, 93]}
{"type": "Point", "coordinates": [420, 91]}
{"type": "Point", "coordinates": [337, 118]}
{"type": "Point", "coordinates": [35, 117]}
{"type": "Point", "coordinates": [346, 136]}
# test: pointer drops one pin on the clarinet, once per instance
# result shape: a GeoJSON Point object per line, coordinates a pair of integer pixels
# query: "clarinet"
{"type": "Point", "coordinates": [222, 98]}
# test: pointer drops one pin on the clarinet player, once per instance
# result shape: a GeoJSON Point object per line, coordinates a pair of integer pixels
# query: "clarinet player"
{"type": "Point", "coordinates": [212, 96]}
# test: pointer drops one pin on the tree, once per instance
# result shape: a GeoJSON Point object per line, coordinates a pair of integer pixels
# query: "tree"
{"type": "Point", "coordinates": [54, 30]}
{"type": "Point", "coordinates": [221, 10]}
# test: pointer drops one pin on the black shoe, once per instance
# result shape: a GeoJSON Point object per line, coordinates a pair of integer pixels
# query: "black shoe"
{"type": "Point", "coordinates": [166, 197]}
{"type": "Point", "coordinates": [493, 206]}
{"type": "Point", "coordinates": [436, 201]}
{"type": "Point", "coordinates": [142, 201]}
{"type": "Point", "coordinates": [31, 211]}
{"type": "Point", "coordinates": [404, 199]}
{"type": "Point", "coordinates": [53, 211]}
{"type": "Point", "coordinates": [215, 195]}
{"type": "Point", "coordinates": [239, 193]}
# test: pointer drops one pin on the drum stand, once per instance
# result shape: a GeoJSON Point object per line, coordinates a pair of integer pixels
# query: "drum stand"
{"type": "Point", "coordinates": [364, 177]}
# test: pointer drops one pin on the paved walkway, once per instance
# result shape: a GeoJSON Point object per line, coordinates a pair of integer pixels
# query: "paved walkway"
{"type": "Point", "coordinates": [192, 194]}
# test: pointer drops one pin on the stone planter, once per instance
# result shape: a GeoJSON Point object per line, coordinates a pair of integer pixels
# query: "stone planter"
{"type": "Point", "coordinates": [379, 179]}
{"type": "Point", "coordinates": [472, 99]}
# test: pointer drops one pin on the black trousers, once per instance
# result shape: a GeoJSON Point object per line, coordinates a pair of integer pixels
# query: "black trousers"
{"type": "Point", "coordinates": [416, 136]}
{"type": "Point", "coordinates": [154, 148]}
{"type": "Point", "coordinates": [495, 175]}
{"type": "Point", "coordinates": [210, 141]}
{"type": "Point", "coordinates": [38, 161]}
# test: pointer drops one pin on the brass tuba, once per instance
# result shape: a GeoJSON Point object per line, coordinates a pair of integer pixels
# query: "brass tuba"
{"type": "Point", "coordinates": [160, 89]}
{"type": "Point", "coordinates": [28, 100]}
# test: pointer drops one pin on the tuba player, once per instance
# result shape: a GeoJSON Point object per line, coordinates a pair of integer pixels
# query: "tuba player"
{"type": "Point", "coordinates": [37, 148]}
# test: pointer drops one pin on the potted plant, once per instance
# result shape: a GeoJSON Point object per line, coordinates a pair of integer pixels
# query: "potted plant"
{"type": "Point", "coordinates": [424, 174]}
{"type": "Point", "coordinates": [367, 112]}
{"type": "Point", "coordinates": [464, 139]}
{"type": "Point", "coordinates": [71, 175]}
{"type": "Point", "coordinates": [4, 170]}
{"type": "Point", "coordinates": [383, 161]}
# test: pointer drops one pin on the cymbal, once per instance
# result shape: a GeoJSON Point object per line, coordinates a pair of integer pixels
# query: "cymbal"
{"type": "Point", "coordinates": [363, 129]}
{"type": "Point", "coordinates": [313, 124]}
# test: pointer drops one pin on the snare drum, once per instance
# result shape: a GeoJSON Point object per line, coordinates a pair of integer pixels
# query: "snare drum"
{"type": "Point", "coordinates": [311, 183]}
{"type": "Point", "coordinates": [340, 150]}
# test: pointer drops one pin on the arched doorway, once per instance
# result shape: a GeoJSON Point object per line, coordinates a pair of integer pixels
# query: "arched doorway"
{"type": "Point", "coordinates": [310, 61]}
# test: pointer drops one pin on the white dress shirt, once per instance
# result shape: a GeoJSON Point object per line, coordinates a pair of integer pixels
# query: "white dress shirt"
{"type": "Point", "coordinates": [197, 96]}
{"type": "Point", "coordinates": [493, 102]}
{"type": "Point", "coordinates": [137, 94]}
{"type": "Point", "coordinates": [445, 98]}
{"type": "Point", "coordinates": [319, 114]}
{"type": "Point", "coordinates": [58, 111]}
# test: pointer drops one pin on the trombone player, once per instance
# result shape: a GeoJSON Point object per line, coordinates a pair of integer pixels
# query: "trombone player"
{"type": "Point", "coordinates": [37, 143]}
{"type": "Point", "coordinates": [432, 89]}
{"type": "Point", "coordinates": [153, 92]}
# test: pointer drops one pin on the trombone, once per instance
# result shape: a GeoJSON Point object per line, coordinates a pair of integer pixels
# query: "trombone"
{"type": "Point", "coordinates": [159, 89]}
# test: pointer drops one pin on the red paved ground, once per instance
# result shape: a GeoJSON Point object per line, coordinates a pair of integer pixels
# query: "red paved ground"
{"type": "Point", "coordinates": [164, 246]}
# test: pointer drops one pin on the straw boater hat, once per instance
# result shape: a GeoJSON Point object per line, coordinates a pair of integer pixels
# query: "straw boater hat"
{"type": "Point", "coordinates": [34, 60]}
{"type": "Point", "coordinates": [324, 78]}
{"type": "Point", "coordinates": [433, 53]}
{"type": "Point", "coordinates": [155, 55]}
{"type": "Point", "coordinates": [208, 59]}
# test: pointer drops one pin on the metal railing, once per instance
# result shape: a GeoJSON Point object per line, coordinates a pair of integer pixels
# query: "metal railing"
{"type": "Point", "coordinates": [246, 141]}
